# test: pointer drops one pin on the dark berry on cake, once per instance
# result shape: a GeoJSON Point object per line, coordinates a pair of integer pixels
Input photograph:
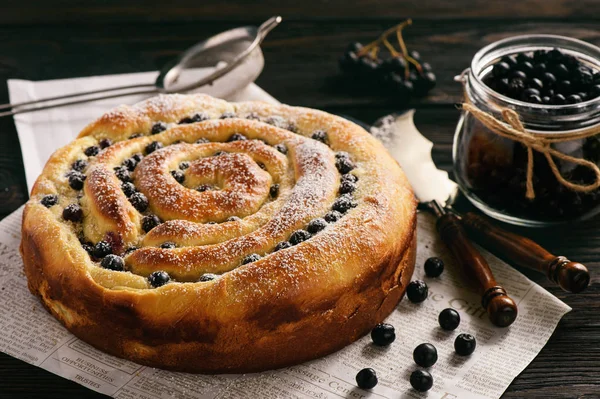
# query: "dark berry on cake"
{"type": "Point", "coordinates": [158, 279]}
{"type": "Point", "coordinates": [153, 146]}
{"type": "Point", "coordinates": [73, 213]}
{"type": "Point", "coordinates": [316, 225]}
{"type": "Point", "coordinates": [282, 245]}
{"type": "Point", "coordinates": [79, 165]}
{"type": "Point", "coordinates": [237, 137]}
{"type": "Point", "coordinates": [251, 258]}
{"type": "Point", "coordinates": [130, 164]}
{"type": "Point", "coordinates": [208, 277]}
{"type": "Point", "coordinates": [101, 249]}
{"type": "Point", "coordinates": [299, 236]}
{"type": "Point", "coordinates": [92, 151]}
{"type": "Point", "coordinates": [139, 201]}
{"type": "Point", "coordinates": [128, 189]}
{"type": "Point", "coordinates": [332, 216]}
{"type": "Point", "coordinates": [49, 200]}
{"type": "Point", "coordinates": [194, 118]}
{"type": "Point", "coordinates": [178, 175]}
{"type": "Point", "coordinates": [347, 187]}
{"type": "Point", "coordinates": [76, 180]}
{"type": "Point", "coordinates": [349, 177]}
{"type": "Point", "coordinates": [105, 143]}
{"type": "Point", "coordinates": [320, 135]}
{"type": "Point", "coordinates": [123, 174]}
{"type": "Point", "coordinates": [203, 187]}
{"type": "Point", "coordinates": [158, 127]}
{"type": "Point", "coordinates": [227, 115]}
{"type": "Point", "coordinates": [149, 222]}
{"type": "Point", "coordinates": [343, 203]}
{"type": "Point", "coordinates": [344, 165]}
{"type": "Point", "coordinates": [113, 262]}
{"type": "Point", "coordinates": [274, 190]}
{"type": "Point", "coordinates": [283, 149]}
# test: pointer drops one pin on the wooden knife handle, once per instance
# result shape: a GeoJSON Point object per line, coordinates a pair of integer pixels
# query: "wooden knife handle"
{"type": "Point", "coordinates": [570, 276]}
{"type": "Point", "coordinates": [501, 309]}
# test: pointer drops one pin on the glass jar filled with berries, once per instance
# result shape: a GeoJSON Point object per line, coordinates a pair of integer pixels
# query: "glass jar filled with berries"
{"type": "Point", "coordinates": [527, 145]}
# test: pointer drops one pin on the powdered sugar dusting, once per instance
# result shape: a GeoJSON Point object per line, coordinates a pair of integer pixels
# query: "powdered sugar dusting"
{"type": "Point", "coordinates": [241, 185]}
{"type": "Point", "coordinates": [311, 195]}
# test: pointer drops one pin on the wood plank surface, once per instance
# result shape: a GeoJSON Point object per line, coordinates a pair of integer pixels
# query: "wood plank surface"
{"type": "Point", "coordinates": [301, 63]}
{"type": "Point", "coordinates": [60, 39]}
{"type": "Point", "coordinates": [44, 11]}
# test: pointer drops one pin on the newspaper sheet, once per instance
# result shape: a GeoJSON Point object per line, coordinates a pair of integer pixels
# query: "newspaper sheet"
{"type": "Point", "coordinates": [29, 333]}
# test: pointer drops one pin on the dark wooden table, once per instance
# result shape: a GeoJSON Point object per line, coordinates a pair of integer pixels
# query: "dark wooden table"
{"type": "Point", "coordinates": [43, 39]}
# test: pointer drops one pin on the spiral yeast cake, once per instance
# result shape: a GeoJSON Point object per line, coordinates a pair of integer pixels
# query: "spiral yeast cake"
{"type": "Point", "coordinates": [194, 234]}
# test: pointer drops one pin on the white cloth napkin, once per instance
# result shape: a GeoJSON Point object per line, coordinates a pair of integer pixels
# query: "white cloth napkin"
{"type": "Point", "coordinates": [42, 132]}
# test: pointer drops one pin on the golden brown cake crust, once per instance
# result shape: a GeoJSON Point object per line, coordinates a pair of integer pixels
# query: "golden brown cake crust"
{"type": "Point", "coordinates": [289, 306]}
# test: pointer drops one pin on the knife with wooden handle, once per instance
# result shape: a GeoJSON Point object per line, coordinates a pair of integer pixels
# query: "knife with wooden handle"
{"type": "Point", "coordinates": [518, 250]}
{"type": "Point", "coordinates": [501, 309]}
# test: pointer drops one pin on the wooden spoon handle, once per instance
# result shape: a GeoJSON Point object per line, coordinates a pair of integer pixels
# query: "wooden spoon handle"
{"type": "Point", "coordinates": [570, 276]}
{"type": "Point", "coordinates": [501, 309]}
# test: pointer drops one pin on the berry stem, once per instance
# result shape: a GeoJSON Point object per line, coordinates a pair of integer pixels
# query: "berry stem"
{"type": "Point", "coordinates": [390, 47]}
{"type": "Point", "coordinates": [401, 42]}
{"type": "Point", "coordinates": [373, 52]}
{"type": "Point", "coordinates": [415, 63]}
{"type": "Point", "coordinates": [405, 50]}
{"type": "Point", "coordinates": [367, 49]}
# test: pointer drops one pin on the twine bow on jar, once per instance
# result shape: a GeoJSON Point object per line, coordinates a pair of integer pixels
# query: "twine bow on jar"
{"type": "Point", "coordinates": [512, 128]}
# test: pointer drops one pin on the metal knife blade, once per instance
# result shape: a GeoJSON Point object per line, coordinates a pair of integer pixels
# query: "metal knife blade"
{"type": "Point", "coordinates": [412, 150]}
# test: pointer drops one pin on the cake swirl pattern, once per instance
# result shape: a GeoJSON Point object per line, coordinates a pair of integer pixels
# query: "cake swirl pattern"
{"type": "Point", "coordinates": [207, 236]}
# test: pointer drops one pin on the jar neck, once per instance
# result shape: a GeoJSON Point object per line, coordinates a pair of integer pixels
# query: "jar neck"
{"type": "Point", "coordinates": [535, 117]}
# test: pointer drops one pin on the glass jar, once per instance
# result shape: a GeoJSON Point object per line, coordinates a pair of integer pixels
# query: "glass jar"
{"type": "Point", "coordinates": [491, 170]}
